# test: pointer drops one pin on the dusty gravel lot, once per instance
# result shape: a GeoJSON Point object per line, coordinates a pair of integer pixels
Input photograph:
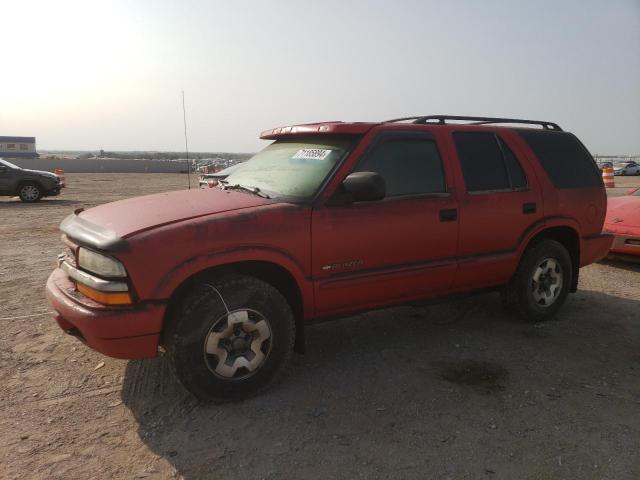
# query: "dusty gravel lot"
{"type": "Point", "coordinates": [459, 390]}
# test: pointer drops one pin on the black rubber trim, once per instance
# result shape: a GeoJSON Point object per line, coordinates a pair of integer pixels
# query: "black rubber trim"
{"type": "Point", "coordinates": [597, 235]}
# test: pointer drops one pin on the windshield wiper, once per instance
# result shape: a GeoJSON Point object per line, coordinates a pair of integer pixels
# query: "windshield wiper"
{"type": "Point", "coordinates": [255, 190]}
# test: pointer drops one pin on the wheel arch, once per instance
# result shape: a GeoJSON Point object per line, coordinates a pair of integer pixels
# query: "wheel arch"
{"type": "Point", "coordinates": [26, 181]}
{"type": "Point", "coordinates": [569, 238]}
{"type": "Point", "coordinates": [272, 273]}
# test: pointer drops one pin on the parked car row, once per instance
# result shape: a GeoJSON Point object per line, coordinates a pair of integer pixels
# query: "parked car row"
{"type": "Point", "coordinates": [621, 168]}
{"type": "Point", "coordinates": [210, 180]}
{"type": "Point", "coordinates": [603, 165]}
{"type": "Point", "coordinates": [627, 168]}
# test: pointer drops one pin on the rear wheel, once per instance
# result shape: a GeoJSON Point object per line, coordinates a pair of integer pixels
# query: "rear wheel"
{"type": "Point", "coordinates": [231, 339]}
{"type": "Point", "coordinates": [541, 284]}
{"type": "Point", "coordinates": [30, 192]}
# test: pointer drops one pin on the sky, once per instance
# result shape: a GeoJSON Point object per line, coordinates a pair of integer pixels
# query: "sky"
{"type": "Point", "coordinates": [109, 74]}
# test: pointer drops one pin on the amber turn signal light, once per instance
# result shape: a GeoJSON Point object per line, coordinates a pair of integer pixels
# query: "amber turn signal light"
{"type": "Point", "coordinates": [106, 298]}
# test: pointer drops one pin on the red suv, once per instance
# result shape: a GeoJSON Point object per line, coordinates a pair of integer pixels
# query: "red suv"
{"type": "Point", "coordinates": [328, 220]}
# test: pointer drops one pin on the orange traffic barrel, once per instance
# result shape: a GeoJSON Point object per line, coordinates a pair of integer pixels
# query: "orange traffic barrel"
{"type": "Point", "coordinates": [60, 173]}
{"type": "Point", "coordinates": [608, 178]}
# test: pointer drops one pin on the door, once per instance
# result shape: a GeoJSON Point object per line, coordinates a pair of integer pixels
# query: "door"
{"type": "Point", "coordinates": [367, 254]}
{"type": "Point", "coordinates": [500, 203]}
{"type": "Point", "coordinates": [6, 180]}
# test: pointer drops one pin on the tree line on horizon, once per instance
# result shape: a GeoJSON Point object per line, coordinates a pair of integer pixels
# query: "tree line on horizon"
{"type": "Point", "coordinates": [153, 155]}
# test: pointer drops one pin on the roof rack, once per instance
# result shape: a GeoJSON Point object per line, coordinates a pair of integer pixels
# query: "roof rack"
{"type": "Point", "coordinates": [442, 120]}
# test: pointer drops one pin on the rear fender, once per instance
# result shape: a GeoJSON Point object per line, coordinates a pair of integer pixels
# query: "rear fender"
{"type": "Point", "coordinates": [538, 230]}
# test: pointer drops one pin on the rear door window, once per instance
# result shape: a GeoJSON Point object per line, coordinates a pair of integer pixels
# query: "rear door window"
{"type": "Point", "coordinates": [566, 161]}
{"type": "Point", "coordinates": [488, 164]}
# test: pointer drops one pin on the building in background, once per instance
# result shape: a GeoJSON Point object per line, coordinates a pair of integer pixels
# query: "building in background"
{"type": "Point", "coordinates": [18, 147]}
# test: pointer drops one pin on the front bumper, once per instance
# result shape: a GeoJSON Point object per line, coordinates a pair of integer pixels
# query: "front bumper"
{"type": "Point", "coordinates": [626, 244]}
{"type": "Point", "coordinates": [54, 192]}
{"type": "Point", "coordinates": [594, 248]}
{"type": "Point", "coordinates": [130, 332]}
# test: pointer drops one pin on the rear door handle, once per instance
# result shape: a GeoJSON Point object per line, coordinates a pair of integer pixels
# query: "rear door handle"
{"type": "Point", "coordinates": [529, 208]}
{"type": "Point", "coordinates": [449, 215]}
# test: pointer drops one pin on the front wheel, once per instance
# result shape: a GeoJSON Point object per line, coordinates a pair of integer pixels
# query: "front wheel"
{"type": "Point", "coordinates": [541, 283]}
{"type": "Point", "coordinates": [231, 339]}
{"type": "Point", "coordinates": [30, 192]}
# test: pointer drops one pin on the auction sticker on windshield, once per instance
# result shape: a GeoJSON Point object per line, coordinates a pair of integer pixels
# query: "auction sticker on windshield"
{"type": "Point", "coordinates": [311, 154]}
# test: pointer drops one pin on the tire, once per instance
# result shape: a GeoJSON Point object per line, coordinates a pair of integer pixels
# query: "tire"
{"type": "Point", "coordinates": [538, 300]}
{"type": "Point", "coordinates": [30, 192]}
{"type": "Point", "coordinates": [213, 358]}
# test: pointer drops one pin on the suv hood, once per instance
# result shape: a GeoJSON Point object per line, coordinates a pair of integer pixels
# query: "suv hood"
{"type": "Point", "coordinates": [127, 217]}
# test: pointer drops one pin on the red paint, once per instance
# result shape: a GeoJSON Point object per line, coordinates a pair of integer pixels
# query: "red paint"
{"type": "Point", "coordinates": [623, 220]}
{"type": "Point", "coordinates": [385, 252]}
{"type": "Point", "coordinates": [116, 332]}
{"type": "Point", "coordinates": [315, 128]}
{"type": "Point", "coordinates": [131, 216]}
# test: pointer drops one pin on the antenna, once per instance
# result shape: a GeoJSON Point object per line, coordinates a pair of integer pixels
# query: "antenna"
{"type": "Point", "coordinates": [186, 141]}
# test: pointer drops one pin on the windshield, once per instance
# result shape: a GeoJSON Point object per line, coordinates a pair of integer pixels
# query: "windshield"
{"type": "Point", "coordinates": [8, 164]}
{"type": "Point", "coordinates": [292, 167]}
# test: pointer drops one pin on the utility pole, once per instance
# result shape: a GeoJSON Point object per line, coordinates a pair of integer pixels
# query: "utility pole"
{"type": "Point", "coordinates": [186, 142]}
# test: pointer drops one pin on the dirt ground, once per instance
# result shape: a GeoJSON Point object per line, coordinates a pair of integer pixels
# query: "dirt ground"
{"type": "Point", "coordinates": [453, 391]}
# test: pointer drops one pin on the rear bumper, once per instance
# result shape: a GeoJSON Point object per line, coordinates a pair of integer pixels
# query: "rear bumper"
{"type": "Point", "coordinates": [131, 332]}
{"type": "Point", "coordinates": [594, 248]}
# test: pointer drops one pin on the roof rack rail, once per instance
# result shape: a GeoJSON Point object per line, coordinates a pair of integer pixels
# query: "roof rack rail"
{"type": "Point", "coordinates": [442, 120]}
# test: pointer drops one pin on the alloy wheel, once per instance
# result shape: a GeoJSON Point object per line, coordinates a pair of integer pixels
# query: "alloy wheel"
{"type": "Point", "coordinates": [30, 193]}
{"type": "Point", "coordinates": [546, 282]}
{"type": "Point", "coordinates": [237, 344]}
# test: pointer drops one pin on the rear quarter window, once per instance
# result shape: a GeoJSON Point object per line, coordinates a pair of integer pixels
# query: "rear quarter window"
{"type": "Point", "coordinates": [566, 161]}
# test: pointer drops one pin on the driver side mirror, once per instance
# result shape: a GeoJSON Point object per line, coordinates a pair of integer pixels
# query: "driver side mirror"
{"type": "Point", "coordinates": [365, 186]}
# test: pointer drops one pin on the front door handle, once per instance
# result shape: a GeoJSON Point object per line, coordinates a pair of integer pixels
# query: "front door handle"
{"type": "Point", "coordinates": [528, 208]}
{"type": "Point", "coordinates": [449, 215]}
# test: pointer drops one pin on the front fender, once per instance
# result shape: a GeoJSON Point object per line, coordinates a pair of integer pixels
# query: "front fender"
{"type": "Point", "coordinates": [197, 264]}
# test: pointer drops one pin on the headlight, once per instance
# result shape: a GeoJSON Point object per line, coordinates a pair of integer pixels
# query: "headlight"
{"type": "Point", "coordinates": [100, 264]}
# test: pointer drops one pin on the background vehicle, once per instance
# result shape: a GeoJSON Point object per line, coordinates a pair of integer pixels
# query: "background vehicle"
{"type": "Point", "coordinates": [328, 220]}
{"type": "Point", "coordinates": [627, 168]}
{"type": "Point", "coordinates": [623, 220]}
{"type": "Point", "coordinates": [210, 180]}
{"type": "Point", "coordinates": [29, 185]}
